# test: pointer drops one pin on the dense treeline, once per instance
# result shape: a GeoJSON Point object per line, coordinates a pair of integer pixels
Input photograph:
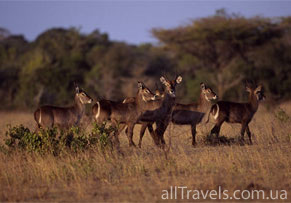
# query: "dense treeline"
{"type": "Point", "coordinates": [44, 71]}
{"type": "Point", "coordinates": [222, 50]}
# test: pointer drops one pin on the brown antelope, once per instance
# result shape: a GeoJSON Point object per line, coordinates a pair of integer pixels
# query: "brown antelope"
{"type": "Point", "coordinates": [148, 125]}
{"type": "Point", "coordinates": [123, 113]}
{"type": "Point", "coordinates": [242, 113]}
{"type": "Point", "coordinates": [63, 117]}
{"type": "Point", "coordinates": [133, 114]}
{"type": "Point", "coordinates": [188, 114]}
{"type": "Point", "coordinates": [162, 115]}
{"type": "Point", "coordinates": [132, 99]}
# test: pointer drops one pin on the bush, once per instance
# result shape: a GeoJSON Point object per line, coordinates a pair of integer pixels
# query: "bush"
{"type": "Point", "coordinates": [20, 137]}
{"type": "Point", "coordinates": [102, 135]}
{"type": "Point", "coordinates": [54, 141]}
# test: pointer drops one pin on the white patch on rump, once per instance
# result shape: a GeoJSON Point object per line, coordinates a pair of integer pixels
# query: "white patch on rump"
{"type": "Point", "coordinates": [98, 110]}
{"type": "Point", "coordinates": [39, 120]}
{"type": "Point", "coordinates": [217, 112]}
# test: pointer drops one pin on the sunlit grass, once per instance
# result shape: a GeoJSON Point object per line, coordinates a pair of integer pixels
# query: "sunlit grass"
{"type": "Point", "coordinates": [142, 174]}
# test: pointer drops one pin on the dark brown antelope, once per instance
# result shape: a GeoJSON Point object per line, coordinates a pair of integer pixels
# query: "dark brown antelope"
{"type": "Point", "coordinates": [63, 117]}
{"type": "Point", "coordinates": [148, 125]}
{"type": "Point", "coordinates": [161, 108]}
{"type": "Point", "coordinates": [162, 115]}
{"type": "Point", "coordinates": [117, 116]}
{"type": "Point", "coordinates": [242, 113]}
{"type": "Point", "coordinates": [123, 113]}
{"type": "Point", "coordinates": [188, 114]}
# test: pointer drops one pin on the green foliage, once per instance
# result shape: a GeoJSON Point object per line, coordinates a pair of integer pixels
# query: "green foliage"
{"type": "Point", "coordinates": [20, 137]}
{"type": "Point", "coordinates": [230, 48]}
{"type": "Point", "coordinates": [54, 142]}
{"type": "Point", "coordinates": [102, 134]}
{"type": "Point", "coordinates": [222, 50]}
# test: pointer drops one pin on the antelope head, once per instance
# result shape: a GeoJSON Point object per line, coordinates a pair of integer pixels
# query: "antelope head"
{"type": "Point", "coordinates": [83, 97]}
{"type": "Point", "coordinates": [145, 92]}
{"type": "Point", "coordinates": [208, 93]}
{"type": "Point", "coordinates": [258, 91]}
{"type": "Point", "coordinates": [170, 85]}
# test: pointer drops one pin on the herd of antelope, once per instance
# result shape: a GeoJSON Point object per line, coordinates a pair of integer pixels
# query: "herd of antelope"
{"type": "Point", "coordinates": [147, 108]}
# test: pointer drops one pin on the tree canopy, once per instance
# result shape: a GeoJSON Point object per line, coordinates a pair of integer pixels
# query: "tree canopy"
{"type": "Point", "coordinates": [222, 50]}
{"type": "Point", "coordinates": [225, 48]}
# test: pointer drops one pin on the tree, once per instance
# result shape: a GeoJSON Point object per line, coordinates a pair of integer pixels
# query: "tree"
{"type": "Point", "coordinates": [219, 44]}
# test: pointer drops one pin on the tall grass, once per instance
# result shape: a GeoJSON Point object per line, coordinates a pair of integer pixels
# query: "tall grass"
{"type": "Point", "coordinates": [142, 174]}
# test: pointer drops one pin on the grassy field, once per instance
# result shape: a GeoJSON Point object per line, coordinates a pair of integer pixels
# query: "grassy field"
{"type": "Point", "coordinates": [143, 174]}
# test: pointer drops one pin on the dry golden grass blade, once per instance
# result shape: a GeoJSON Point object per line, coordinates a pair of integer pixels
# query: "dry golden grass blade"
{"type": "Point", "coordinates": [142, 174]}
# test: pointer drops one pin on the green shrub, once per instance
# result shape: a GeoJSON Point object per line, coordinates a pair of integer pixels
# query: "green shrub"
{"type": "Point", "coordinates": [102, 135]}
{"type": "Point", "coordinates": [55, 142]}
{"type": "Point", "coordinates": [20, 137]}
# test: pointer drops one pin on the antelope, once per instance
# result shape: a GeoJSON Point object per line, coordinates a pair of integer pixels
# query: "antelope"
{"type": "Point", "coordinates": [162, 115]}
{"type": "Point", "coordinates": [63, 117]}
{"type": "Point", "coordinates": [132, 99]}
{"type": "Point", "coordinates": [117, 116]}
{"type": "Point", "coordinates": [145, 125]}
{"type": "Point", "coordinates": [242, 113]}
{"type": "Point", "coordinates": [188, 114]}
{"type": "Point", "coordinates": [123, 113]}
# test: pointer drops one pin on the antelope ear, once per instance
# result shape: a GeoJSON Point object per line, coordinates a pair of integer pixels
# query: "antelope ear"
{"type": "Point", "coordinates": [248, 86]}
{"type": "Point", "coordinates": [140, 85]}
{"type": "Point", "coordinates": [179, 79]}
{"type": "Point", "coordinates": [77, 89]}
{"type": "Point", "coordinates": [259, 88]}
{"type": "Point", "coordinates": [248, 89]}
{"type": "Point", "coordinates": [158, 92]}
{"type": "Point", "coordinates": [163, 80]}
{"type": "Point", "coordinates": [202, 86]}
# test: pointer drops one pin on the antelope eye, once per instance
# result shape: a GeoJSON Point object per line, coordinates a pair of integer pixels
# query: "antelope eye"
{"type": "Point", "coordinates": [147, 91]}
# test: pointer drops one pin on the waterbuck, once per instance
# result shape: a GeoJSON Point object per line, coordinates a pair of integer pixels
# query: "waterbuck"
{"type": "Point", "coordinates": [148, 125]}
{"type": "Point", "coordinates": [188, 114]}
{"type": "Point", "coordinates": [242, 113]}
{"type": "Point", "coordinates": [134, 114]}
{"type": "Point", "coordinates": [123, 113]}
{"type": "Point", "coordinates": [162, 115]}
{"type": "Point", "coordinates": [63, 117]}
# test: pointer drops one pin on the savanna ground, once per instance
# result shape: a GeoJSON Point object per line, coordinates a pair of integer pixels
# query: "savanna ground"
{"type": "Point", "coordinates": [143, 174]}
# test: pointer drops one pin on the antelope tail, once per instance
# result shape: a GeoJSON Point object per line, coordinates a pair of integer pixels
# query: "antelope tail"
{"type": "Point", "coordinates": [37, 117]}
{"type": "Point", "coordinates": [217, 112]}
{"type": "Point", "coordinates": [214, 109]}
{"type": "Point", "coordinates": [98, 110]}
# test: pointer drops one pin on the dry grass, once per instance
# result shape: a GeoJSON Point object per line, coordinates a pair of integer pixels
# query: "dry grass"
{"type": "Point", "coordinates": [142, 174]}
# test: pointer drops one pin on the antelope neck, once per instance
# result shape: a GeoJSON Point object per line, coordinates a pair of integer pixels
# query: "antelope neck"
{"type": "Point", "coordinates": [168, 100]}
{"type": "Point", "coordinates": [203, 103]}
{"type": "Point", "coordinates": [139, 100]}
{"type": "Point", "coordinates": [79, 107]}
{"type": "Point", "coordinates": [253, 101]}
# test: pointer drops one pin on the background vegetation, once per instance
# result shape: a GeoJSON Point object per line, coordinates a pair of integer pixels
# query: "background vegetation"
{"type": "Point", "coordinates": [80, 165]}
{"type": "Point", "coordinates": [221, 50]}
